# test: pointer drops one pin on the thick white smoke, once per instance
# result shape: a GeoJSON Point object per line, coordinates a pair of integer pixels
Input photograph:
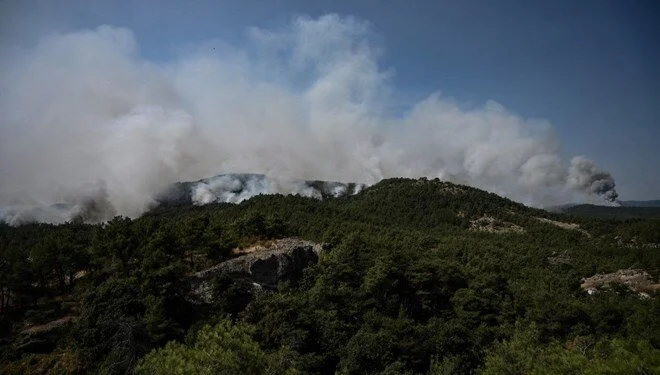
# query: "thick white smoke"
{"type": "Point", "coordinates": [235, 188]}
{"type": "Point", "coordinates": [305, 102]}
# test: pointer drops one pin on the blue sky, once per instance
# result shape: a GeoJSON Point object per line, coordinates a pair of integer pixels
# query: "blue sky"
{"type": "Point", "coordinates": [590, 67]}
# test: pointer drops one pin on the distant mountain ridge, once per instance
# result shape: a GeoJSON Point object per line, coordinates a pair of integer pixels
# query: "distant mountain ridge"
{"type": "Point", "coordinates": [650, 203]}
{"type": "Point", "coordinates": [646, 203]}
{"type": "Point", "coordinates": [611, 212]}
{"type": "Point", "coordinates": [237, 187]}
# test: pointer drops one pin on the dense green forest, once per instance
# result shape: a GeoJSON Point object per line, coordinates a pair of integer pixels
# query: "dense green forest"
{"type": "Point", "coordinates": [407, 284]}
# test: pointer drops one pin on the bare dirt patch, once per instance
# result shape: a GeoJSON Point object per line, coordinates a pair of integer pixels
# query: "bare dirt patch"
{"type": "Point", "coordinates": [567, 226]}
{"type": "Point", "coordinates": [634, 243]}
{"type": "Point", "coordinates": [493, 225]}
{"type": "Point", "coordinates": [259, 246]}
{"type": "Point", "coordinates": [638, 281]}
{"type": "Point", "coordinates": [32, 330]}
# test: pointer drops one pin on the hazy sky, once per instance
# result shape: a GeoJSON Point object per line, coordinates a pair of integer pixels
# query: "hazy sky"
{"type": "Point", "coordinates": [591, 68]}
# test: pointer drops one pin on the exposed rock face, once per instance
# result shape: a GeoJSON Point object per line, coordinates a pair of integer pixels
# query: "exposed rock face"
{"type": "Point", "coordinates": [262, 266]}
{"type": "Point", "coordinates": [634, 243]}
{"type": "Point", "coordinates": [558, 259]}
{"type": "Point", "coordinates": [41, 338]}
{"type": "Point", "coordinates": [638, 281]}
{"type": "Point", "coordinates": [567, 226]}
{"type": "Point", "coordinates": [493, 225]}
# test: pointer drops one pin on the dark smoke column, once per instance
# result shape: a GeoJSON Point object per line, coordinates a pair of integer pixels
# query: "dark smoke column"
{"type": "Point", "coordinates": [585, 176]}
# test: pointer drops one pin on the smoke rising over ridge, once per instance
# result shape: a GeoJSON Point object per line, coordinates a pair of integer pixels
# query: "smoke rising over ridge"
{"type": "Point", "coordinates": [83, 114]}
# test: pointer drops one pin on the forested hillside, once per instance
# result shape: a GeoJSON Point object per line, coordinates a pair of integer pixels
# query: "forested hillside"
{"type": "Point", "coordinates": [415, 277]}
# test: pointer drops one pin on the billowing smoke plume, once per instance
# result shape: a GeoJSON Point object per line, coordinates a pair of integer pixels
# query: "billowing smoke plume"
{"type": "Point", "coordinates": [585, 175]}
{"type": "Point", "coordinates": [228, 189]}
{"type": "Point", "coordinates": [88, 203]}
{"type": "Point", "coordinates": [307, 102]}
{"type": "Point", "coordinates": [235, 188]}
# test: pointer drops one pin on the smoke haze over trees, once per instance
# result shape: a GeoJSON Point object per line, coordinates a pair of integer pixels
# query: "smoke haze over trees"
{"type": "Point", "coordinates": [85, 118]}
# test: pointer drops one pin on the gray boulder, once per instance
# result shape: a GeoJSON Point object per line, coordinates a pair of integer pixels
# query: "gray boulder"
{"type": "Point", "coordinates": [262, 266]}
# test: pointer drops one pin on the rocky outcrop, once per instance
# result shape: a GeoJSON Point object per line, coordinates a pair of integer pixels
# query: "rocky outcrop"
{"type": "Point", "coordinates": [638, 281]}
{"type": "Point", "coordinates": [559, 259]}
{"type": "Point", "coordinates": [263, 266]}
{"type": "Point", "coordinates": [634, 243]}
{"type": "Point", "coordinates": [41, 338]}
{"type": "Point", "coordinates": [567, 226]}
{"type": "Point", "coordinates": [493, 225]}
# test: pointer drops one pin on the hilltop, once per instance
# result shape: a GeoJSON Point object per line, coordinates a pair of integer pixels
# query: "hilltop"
{"type": "Point", "coordinates": [648, 203]}
{"type": "Point", "coordinates": [405, 276]}
{"type": "Point", "coordinates": [237, 187]}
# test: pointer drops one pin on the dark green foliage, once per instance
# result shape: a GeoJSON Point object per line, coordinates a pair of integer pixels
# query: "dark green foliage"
{"type": "Point", "coordinates": [231, 296]}
{"type": "Point", "coordinates": [524, 353]}
{"type": "Point", "coordinates": [110, 326]}
{"type": "Point", "coordinates": [403, 287]}
{"type": "Point", "coordinates": [222, 349]}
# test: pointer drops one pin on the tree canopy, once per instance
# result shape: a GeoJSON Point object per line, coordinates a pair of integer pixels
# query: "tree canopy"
{"type": "Point", "coordinates": [407, 283]}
